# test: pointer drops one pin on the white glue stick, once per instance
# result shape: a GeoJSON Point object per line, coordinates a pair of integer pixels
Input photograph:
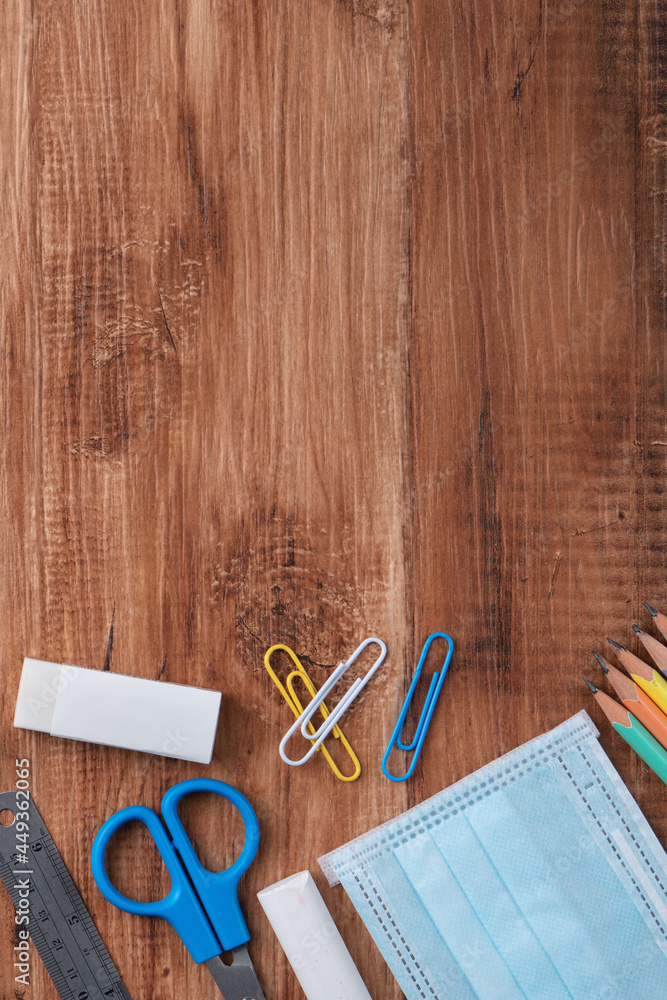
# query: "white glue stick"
{"type": "Point", "coordinates": [311, 941]}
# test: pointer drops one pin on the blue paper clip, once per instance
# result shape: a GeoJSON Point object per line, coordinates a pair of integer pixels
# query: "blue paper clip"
{"type": "Point", "coordinates": [427, 711]}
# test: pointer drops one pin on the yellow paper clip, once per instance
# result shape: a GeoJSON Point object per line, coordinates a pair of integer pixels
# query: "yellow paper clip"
{"type": "Point", "coordinates": [292, 700]}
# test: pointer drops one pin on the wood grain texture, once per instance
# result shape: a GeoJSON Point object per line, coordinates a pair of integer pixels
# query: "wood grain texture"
{"type": "Point", "coordinates": [322, 321]}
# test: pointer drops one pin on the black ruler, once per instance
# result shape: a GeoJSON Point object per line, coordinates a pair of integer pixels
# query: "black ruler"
{"type": "Point", "coordinates": [59, 924]}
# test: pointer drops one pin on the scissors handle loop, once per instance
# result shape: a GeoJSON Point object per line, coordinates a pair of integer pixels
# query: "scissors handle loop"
{"type": "Point", "coordinates": [179, 907]}
{"type": "Point", "coordinates": [217, 890]}
{"type": "Point", "coordinates": [210, 920]}
{"type": "Point", "coordinates": [432, 696]}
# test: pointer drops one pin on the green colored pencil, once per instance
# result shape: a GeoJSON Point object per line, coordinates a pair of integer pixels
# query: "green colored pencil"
{"type": "Point", "coordinates": [633, 732]}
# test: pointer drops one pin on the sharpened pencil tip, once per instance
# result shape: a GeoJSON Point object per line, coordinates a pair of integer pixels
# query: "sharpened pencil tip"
{"type": "Point", "coordinates": [616, 645]}
{"type": "Point", "coordinates": [601, 662]}
{"type": "Point", "coordinates": [591, 687]}
{"type": "Point", "coordinates": [650, 610]}
{"type": "Point", "coordinates": [638, 630]}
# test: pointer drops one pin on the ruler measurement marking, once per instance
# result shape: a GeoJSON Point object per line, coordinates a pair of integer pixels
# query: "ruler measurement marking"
{"type": "Point", "coordinates": [72, 957]}
{"type": "Point", "coordinates": [80, 966]}
{"type": "Point", "coordinates": [37, 935]}
{"type": "Point", "coordinates": [44, 901]}
{"type": "Point", "coordinates": [71, 929]}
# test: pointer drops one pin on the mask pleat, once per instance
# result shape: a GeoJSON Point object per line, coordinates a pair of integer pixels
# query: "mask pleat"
{"type": "Point", "coordinates": [406, 935]}
{"type": "Point", "coordinates": [498, 912]}
{"type": "Point", "coordinates": [456, 921]}
{"type": "Point", "coordinates": [536, 878]}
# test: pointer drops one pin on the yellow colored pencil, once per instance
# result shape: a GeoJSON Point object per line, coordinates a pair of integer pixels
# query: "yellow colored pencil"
{"type": "Point", "coordinates": [648, 678]}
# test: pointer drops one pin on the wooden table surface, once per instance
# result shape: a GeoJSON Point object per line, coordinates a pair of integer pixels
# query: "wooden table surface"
{"type": "Point", "coordinates": [323, 320]}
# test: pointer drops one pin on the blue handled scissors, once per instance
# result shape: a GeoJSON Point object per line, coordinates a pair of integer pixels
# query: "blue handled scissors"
{"type": "Point", "coordinates": [202, 906]}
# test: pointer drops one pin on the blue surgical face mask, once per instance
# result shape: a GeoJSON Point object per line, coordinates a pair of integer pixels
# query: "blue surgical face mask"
{"type": "Point", "coordinates": [537, 877]}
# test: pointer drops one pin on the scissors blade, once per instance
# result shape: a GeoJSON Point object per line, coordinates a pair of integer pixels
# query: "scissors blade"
{"type": "Point", "coordinates": [237, 981]}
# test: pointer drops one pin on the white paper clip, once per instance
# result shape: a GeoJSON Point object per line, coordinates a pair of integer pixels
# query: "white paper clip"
{"type": "Point", "coordinates": [318, 737]}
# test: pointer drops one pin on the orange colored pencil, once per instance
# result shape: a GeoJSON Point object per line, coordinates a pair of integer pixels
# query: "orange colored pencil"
{"type": "Point", "coordinates": [636, 701]}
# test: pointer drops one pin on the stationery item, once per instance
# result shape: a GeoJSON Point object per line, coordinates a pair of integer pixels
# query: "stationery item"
{"type": "Point", "coordinates": [292, 699]}
{"type": "Point", "coordinates": [649, 679]}
{"type": "Point", "coordinates": [432, 696]}
{"type": "Point", "coordinates": [655, 649]}
{"type": "Point", "coordinates": [311, 941]}
{"type": "Point", "coordinates": [535, 878]}
{"type": "Point", "coordinates": [633, 732]}
{"type": "Point", "coordinates": [302, 723]}
{"type": "Point", "coordinates": [96, 706]}
{"type": "Point", "coordinates": [202, 906]}
{"type": "Point", "coordinates": [659, 619]}
{"type": "Point", "coordinates": [636, 701]}
{"type": "Point", "coordinates": [50, 910]}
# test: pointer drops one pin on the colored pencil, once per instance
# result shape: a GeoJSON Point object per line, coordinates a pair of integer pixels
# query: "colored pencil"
{"type": "Point", "coordinates": [648, 678]}
{"type": "Point", "coordinates": [659, 619]}
{"type": "Point", "coordinates": [655, 649]}
{"type": "Point", "coordinates": [633, 732]}
{"type": "Point", "coordinates": [634, 699]}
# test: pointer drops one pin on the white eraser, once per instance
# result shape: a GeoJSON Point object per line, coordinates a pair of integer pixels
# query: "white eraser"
{"type": "Point", "coordinates": [96, 706]}
{"type": "Point", "coordinates": [38, 690]}
{"type": "Point", "coordinates": [311, 941]}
